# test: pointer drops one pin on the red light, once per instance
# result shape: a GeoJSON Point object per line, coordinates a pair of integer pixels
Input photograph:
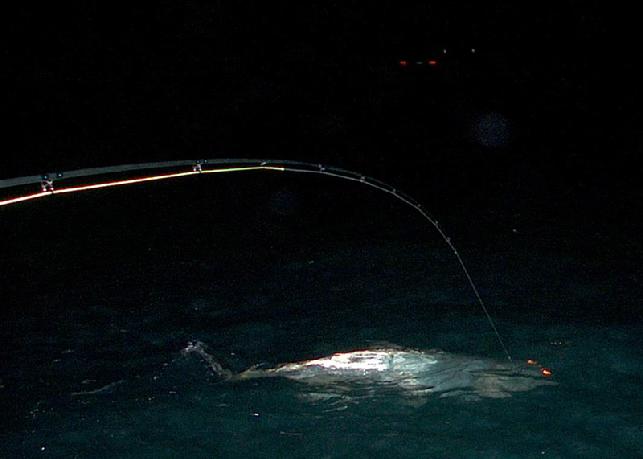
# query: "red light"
{"type": "Point", "coordinates": [432, 62]}
{"type": "Point", "coordinates": [404, 63]}
{"type": "Point", "coordinates": [546, 372]}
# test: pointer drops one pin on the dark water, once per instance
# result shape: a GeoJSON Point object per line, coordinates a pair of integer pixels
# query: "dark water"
{"type": "Point", "coordinates": [101, 293]}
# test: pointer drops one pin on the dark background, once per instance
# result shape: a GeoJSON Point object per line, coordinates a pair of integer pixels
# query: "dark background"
{"type": "Point", "coordinates": [528, 152]}
{"type": "Point", "coordinates": [542, 119]}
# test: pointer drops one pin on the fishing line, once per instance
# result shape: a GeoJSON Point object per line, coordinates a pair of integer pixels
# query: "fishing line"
{"type": "Point", "coordinates": [48, 188]}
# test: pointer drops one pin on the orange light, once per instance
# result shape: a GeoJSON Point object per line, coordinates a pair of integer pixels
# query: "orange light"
{"type": "Point", "coordinates": [24, 198]}
{"type": "Point", "coordinates": [432, 62]}
{"type": "Point", "coordinates": [531, 362]}
{"type": "Point", "coordinates": [546, 372]}
{"type": "Point", "coordinates": [404, 63]}
{"type": "Point", "coordinates": [131, 181]}
{"type": "Point", "coordinates": [122, 182]}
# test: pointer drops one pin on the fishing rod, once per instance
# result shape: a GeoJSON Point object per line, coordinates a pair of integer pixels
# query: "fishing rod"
{"type": "Point", "coordinates": [49, 186]}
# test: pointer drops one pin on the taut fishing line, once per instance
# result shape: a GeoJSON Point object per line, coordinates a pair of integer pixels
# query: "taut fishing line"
{"type": "Point", "coordinates": [49, 186]}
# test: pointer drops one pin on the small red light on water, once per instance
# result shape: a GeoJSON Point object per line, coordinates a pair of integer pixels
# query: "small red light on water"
{"type": "Point", "coordinates": [432, 62]}
{"type": "Point", "coordinates": [404, 63]}
{"type": "Point", "coordinates": [545, 372]}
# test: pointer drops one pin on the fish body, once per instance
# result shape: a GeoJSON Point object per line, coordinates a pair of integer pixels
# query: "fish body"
{"type": "Point", "coordinates": [413, 371]}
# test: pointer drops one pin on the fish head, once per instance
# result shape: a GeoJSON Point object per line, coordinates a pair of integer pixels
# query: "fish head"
{"type": "Point", "coordinates": [535, 369]}
{"type": "Point", "coordinates": [504, 378]}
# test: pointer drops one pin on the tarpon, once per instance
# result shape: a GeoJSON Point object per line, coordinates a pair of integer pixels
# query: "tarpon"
{"type": "Point", "coordinates": [412, 371]}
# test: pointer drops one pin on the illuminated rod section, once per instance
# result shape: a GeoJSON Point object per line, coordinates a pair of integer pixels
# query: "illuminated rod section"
{"type": "Point", "coordinates": [238, 165]}
{"type": "Point", "coordinates": [151, 178]}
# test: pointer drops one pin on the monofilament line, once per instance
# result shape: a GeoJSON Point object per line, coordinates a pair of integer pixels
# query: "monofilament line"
{"type": "Point", "coordinates": [417, 206]}
{"type": "Point", "coordinates": [235, 165]}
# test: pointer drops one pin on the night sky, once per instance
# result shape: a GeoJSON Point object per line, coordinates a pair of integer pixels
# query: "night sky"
{"type": "Point", "coordinates": [548, 105]}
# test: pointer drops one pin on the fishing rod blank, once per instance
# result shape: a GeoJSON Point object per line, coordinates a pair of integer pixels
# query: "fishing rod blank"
{"type": "Point", "coordinates": [49, 186]}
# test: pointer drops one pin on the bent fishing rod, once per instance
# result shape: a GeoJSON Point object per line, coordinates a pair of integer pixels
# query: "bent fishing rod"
{"type": "Point", "coordinates": [48, 184]}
